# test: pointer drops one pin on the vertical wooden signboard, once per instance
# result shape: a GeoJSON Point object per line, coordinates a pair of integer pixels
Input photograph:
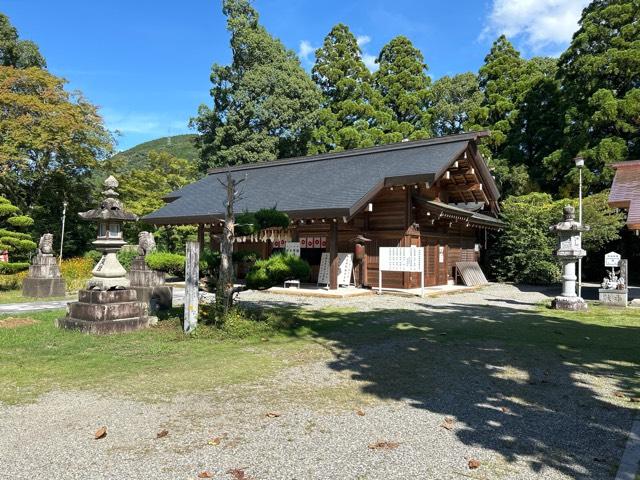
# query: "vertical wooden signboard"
{"type": "Point", "coordinates": [191, 279]}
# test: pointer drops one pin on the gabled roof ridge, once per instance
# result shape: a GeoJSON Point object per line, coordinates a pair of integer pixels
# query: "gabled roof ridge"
{"type": "Point", "coordinates": [459, 137]}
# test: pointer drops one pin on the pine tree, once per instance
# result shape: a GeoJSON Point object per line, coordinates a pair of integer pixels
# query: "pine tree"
{"type": "Point", "coordinates": [264, 103]}
{"type": "Point", "coordinates": [600, 75]}
{"type": "Point", "coordinates": [352, 115]}
{"type": "Point", "coordinates": [452, 100]}
{"type": "Point", "coordinates": [403, 83]}
{"type": "Point", "coordinates": [17, 243]}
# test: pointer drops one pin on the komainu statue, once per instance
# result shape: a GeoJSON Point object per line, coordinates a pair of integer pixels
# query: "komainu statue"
{"type": "Point", "coordinates": [45, 247]}
{"type": "Point", "coordinates": [146, 243]}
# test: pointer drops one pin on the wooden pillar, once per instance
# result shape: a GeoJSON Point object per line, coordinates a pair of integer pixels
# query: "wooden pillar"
{"type": "Point", "coordinates": [201, 236]}
{"type": "Point", "coordinates": [333, 256]}
{"type": "Point", "coordinates": [191, 280]}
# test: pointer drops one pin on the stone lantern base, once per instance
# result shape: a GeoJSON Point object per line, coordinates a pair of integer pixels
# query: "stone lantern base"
{"type": "Point", "coordinates": [107, 311]}
{"type": "Point", "coordinates": [569, 303]}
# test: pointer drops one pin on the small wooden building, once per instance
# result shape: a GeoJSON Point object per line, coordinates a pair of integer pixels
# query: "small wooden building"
{"type": "Point", "coordinates": [625, 191]}
{"type": "Point", "coordinates": [436, 193]}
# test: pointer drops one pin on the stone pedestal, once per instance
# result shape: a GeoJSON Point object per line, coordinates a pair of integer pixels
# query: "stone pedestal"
{"type": "Point", "coordinates": [107, 311]}
{"type": "Point", "coordinates": [613, 298]}
{"type": "Point", "coordinates": [150, 286]}
{"type": "Point", "coordinates": [574, 303]}
{"type": "Point", "coordinates": [44, 279]}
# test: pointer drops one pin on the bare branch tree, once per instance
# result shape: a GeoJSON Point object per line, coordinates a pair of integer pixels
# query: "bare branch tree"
{"type": "Point", "coordinates": [225, 290]}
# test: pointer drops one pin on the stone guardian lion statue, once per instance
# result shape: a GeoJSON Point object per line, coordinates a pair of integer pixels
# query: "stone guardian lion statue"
{"type": "Point", "coordinates": [146, 243]}
{"type": "Point", "coordinates": [45, 247]}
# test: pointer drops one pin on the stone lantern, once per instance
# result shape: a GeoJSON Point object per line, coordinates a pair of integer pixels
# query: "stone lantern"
{"type": "Point", "coordinates": [110, 216]}
{"type": "Point", "coordinates": [569, 252]}
{"type": "Point", "coordinates": [108, 304]}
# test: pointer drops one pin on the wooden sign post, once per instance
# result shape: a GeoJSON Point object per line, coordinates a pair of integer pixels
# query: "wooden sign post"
{"type": "Point", "coordinates": [191, 280]}
{"type": "Point", "coordinates": [401, 259]}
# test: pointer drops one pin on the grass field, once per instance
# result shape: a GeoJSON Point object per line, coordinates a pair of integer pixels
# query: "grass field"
{"type": "Point", "coordinates": [36, 357]}
{"type": "Point", "coordinates": [15, 296]}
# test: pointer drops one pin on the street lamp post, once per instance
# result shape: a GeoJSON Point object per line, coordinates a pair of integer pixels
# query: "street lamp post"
{"type": "Point", "coordinates": [580, 164]}
{"type": "Point", "coordinates": [64, 217]}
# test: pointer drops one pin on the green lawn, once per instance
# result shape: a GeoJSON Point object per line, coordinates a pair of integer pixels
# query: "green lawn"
{"type": "Point", "coordinates": [388, 349]}
{"type": "Point", "coordinates": [15, 296]}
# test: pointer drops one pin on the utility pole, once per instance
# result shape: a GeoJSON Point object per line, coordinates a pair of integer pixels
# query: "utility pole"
{"type": "Point", "coordinates": [64, 217]}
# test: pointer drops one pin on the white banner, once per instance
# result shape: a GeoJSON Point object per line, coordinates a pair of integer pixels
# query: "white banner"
{"type": "Point", "coordinates": [345, 269]}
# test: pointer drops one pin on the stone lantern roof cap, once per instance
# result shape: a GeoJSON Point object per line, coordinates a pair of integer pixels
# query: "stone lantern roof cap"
{"type": "Point", "coordinates": [569, 223]}
{"type": "Point", "coordinates": [110, 207]}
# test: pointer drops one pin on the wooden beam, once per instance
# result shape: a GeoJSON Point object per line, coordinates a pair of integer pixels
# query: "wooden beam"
{"type": "Point", "coordinates": [474, 187]}
{"type": "Point", "coordinates": [333, 256]}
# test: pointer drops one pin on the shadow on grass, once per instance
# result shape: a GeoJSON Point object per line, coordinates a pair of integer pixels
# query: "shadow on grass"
{"type": "Point", "coordinates": [544, 385]}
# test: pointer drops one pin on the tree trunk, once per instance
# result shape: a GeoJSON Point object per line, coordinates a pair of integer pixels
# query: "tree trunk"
{"type": "Point", "coordinates": [224, 291]}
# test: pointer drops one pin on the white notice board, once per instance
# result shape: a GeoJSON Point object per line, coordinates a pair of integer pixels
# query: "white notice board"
{"type": "Point", "coordinates": [345, 269]}
{"type": "Point", "coordinates": [401, 259]}
{"type": "Point", "coordinates": [612, 259]}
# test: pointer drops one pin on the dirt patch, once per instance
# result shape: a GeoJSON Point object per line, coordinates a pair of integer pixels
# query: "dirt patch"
{"type": "Point", "coordinates": [13, 322]}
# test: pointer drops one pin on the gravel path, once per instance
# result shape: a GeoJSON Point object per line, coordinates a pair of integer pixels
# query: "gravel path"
{"type": "Point", "coordinates": [522, 418]}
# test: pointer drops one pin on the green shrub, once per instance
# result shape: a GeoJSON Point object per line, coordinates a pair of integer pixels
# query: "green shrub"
{"type": "Point", "coordinates": [241, 323]}
{"type": "Point", "coordinates": [276, 269]}
{"type": "Point", "coordinates": [93, 255]}
{"type": "Point", "coordinates": [126, 256]}
{"type": "Point", "coordinates": [12, 282]}
{"type": "Point", "coordinates": [76, 272]}
{"type": "Point", "coordinates": [11, 268]}
{"type": "Point", "coordinates": [249, 223]}
{"type": "Point", "coordinates": [171, 263]}
{"type": "Point", "coordinates": [209, 262]}
{"type": "Point", "coordinates": [245, 256]}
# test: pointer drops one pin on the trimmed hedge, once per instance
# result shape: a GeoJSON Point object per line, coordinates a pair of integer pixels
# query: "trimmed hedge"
{"type": "Point", "coordinates": [275, 270]}
{"type": "Point", "coordinates": [171, 263]}
{"type": "Point", "coordinates": [11, 268]}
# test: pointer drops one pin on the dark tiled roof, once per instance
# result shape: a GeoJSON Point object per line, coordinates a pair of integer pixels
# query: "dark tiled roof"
{"type": "Point", "coordinates": [332, 184]}
{"type": "Point", "coordinates": [462, 213]}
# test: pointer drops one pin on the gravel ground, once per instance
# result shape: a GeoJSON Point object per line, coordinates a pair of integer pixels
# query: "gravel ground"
{"type": "Point", "coordinates": [522, 418]}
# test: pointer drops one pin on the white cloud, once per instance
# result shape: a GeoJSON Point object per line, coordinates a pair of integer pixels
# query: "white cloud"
{"type": "Point", "coordinates": [540, 24]}
{"type": "Point", "coordinates": [363, 40]}
{"type": "Point", "coordinates": [370, 61]}
{"type": "Point", "coordinates": [305, 50]}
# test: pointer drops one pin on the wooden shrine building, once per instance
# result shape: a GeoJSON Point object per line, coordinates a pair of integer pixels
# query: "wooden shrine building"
{"type": "Point", "coordinates": [625, 191]}
{"type": "Point", "coordinates": [436, 193]}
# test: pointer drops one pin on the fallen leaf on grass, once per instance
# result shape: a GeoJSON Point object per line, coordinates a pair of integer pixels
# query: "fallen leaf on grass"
{"type": "Point", "coordinates": [273, 414]}
{"type": "Point", "coordinates": [383, 445]}
{"type": "Point", "coordinates": [505, 410]}
{"type": "Point", "coordinates": [448, 423]}
{"type": "Point", "coordinates": [619, 394]}
{"type": "Point", "coordinates": [474, 463]}
{"type": "Point", "coordinates": [101, 433]}
{"type": "Point", "coordinates": [162, 433]}
{"type": "Point", "coordinates": [205, 474]}
{"type": "Point", "coordinates": [360, 412]}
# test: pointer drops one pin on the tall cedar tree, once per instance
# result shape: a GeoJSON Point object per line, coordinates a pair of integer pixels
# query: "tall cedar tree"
{"type": "Point", "coordinates": [600, 75]}
{"type": "Point", "coordinates": [264, 103]}
{"type": "Point", "coordinates": [403, 83]}
{"type": "Point", "coordinates": [352, 113]}
{"type": "Point", "coordinates": [452, 98]}
{"type": "Point", "coordinates": [505, 79]}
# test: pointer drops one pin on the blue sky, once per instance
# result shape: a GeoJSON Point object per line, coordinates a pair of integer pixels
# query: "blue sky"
{"type": "Point", "coordinates": [146, 63]}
